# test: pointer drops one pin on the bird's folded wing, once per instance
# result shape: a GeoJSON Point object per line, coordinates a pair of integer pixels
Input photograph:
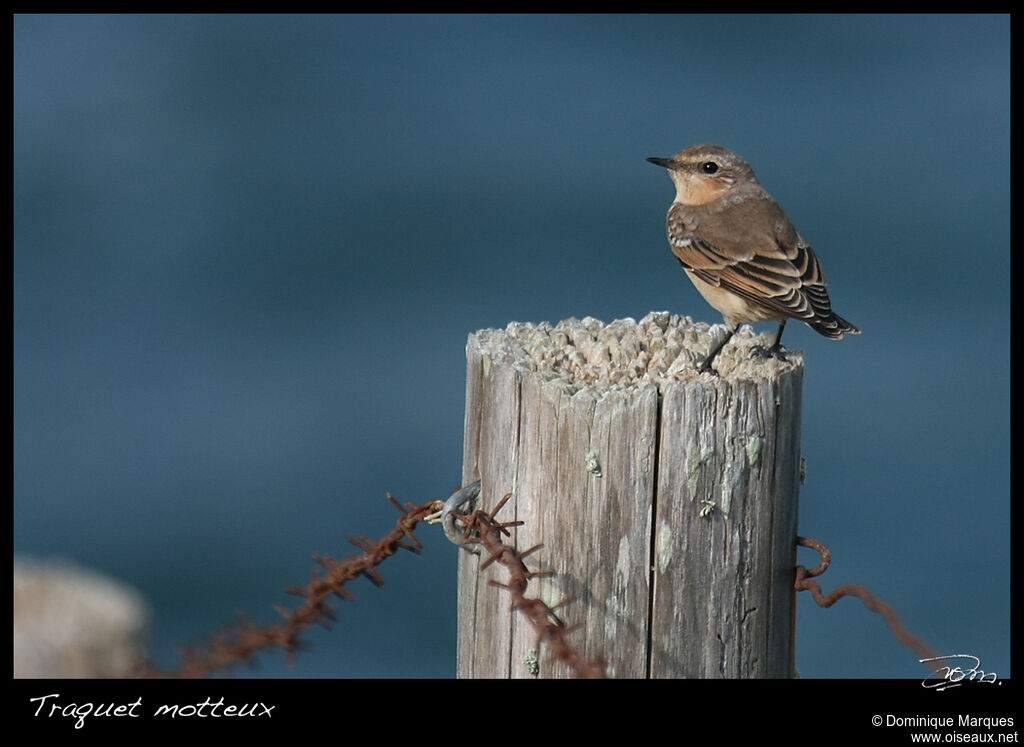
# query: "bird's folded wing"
{"type": "Point", "coordinates": [773, 268]}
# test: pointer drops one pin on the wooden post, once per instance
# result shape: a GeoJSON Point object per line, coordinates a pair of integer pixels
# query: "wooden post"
{"type": "Point", "coordinates": [666, 500]}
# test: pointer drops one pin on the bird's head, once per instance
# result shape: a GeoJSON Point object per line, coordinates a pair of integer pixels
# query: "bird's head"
{"type": "Point", "coordinates": [704, 173]}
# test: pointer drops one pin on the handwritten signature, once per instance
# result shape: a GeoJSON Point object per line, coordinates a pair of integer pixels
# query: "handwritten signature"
{"type": "Point", "coordinates": [952, 675]}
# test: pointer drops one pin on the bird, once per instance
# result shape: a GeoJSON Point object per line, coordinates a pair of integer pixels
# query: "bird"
{"type": "Point", "coordinates": [741, 251]}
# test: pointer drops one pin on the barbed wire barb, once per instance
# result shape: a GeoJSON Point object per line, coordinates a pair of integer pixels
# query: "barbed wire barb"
{"type": "Point", "coordinates": [241, 642]}
{"type": "Point", "coordinates": [483, 527]}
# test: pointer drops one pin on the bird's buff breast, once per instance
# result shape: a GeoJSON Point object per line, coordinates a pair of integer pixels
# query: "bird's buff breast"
{"type": "Point", "coordinates": [735, 309]}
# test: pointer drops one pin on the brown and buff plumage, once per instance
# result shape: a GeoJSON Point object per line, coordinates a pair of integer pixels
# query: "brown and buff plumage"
{"type": "Point", "coordinates": [740, 250]}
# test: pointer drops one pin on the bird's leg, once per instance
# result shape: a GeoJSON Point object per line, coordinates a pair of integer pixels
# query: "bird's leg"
{"type": "Point", "coordinates": [775, 351]}
{"type": "Point", "coordinates": [706, 366]}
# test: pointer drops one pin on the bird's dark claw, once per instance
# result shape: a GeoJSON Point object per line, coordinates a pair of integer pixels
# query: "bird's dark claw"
{"type": "Point", "coordinates": [775, 351]}
{"type": "Point", "coordinates": [706, 366]}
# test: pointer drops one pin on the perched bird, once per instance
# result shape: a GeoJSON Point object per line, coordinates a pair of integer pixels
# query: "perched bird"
{"type": "Point", "coordinates": [740, 250]}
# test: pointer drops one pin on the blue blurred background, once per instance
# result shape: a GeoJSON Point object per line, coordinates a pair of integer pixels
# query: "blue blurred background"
{"type": "Point", "coordinates": [248, 251]}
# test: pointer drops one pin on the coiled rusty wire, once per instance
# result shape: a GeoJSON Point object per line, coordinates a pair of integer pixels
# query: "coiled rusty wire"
{"type": "Point", "coordinates": [900, 633]}
{"type": "Point", "coordinates": [242, 641]}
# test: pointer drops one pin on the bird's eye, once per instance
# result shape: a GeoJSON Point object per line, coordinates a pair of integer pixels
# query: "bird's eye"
{"type": "Point", "coordinates": [709, 167]}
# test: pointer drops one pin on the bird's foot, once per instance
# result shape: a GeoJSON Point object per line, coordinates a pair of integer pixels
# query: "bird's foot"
{"type": "Point", "coordinates": [775, 351]}
{"type": "Point", "coordinates": [705, 367]}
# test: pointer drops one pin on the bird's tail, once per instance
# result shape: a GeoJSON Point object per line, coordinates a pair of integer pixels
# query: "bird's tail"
{"type": "Point", "coordinates": [832, 326]}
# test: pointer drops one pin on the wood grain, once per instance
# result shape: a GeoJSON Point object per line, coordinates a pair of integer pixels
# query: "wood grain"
{"type": "Point", "coordinates": [666, 500]}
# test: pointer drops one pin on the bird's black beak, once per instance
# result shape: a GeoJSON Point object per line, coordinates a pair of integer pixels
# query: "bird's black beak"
{"type": "Point", "coordinates": [668, 163]}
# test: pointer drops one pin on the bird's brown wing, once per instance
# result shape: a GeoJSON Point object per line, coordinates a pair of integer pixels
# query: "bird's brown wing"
{"type": "Point", "coordinates": [752, 250]}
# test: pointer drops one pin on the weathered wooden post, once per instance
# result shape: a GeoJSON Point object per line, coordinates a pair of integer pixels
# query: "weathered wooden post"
{"type": "Point", "coordinates": [666, 500]}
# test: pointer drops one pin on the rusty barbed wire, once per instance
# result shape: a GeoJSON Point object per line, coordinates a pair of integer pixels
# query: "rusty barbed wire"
{"type": "Point", "coordinates": [803, 582]}
{"type": "Point", "coordinates": [483, 527]}
{"type": "Point", "coordinates": [242, 641]}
